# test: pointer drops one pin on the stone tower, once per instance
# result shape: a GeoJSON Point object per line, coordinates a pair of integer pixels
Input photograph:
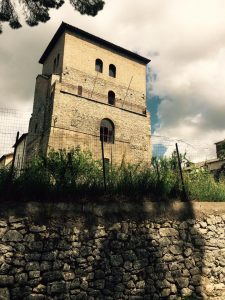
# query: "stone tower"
{"type": "Point", "coordinates": [90, 89]}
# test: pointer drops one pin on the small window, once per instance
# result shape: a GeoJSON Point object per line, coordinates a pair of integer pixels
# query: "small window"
{"type": "Point", "coordinates": [80, 90]}
{"type": "Point", "coordinates": [112, 70]}
{"type": "Point", "coordinates": [99, 65]}
{"type": "Point", "coordinates": [35, 129]}
{"type": "Point", "coordinates": [107, 131]}
{"type": "Point", "coordinates": [111, 98]}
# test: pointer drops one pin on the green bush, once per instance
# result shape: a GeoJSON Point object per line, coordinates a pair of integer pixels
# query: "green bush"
{"type": "Point", "coordinates": [63, 175]}
{"type": "Point", "coordinates": [59, 174]}
{"type": "Point", "coordinates": [5, 182]}
{"type": "Point", "coordinates": [203, 187]}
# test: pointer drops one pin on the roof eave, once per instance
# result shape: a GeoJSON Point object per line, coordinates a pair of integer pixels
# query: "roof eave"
{"type": "Point", "coordinates": [64, 26]}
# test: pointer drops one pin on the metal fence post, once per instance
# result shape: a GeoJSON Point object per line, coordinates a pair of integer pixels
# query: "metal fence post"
{"type": "Point", "coordinates": [103, 162]}
{"type": "Point", "coordinates": [181, 174]}
{"type": "Point", "coordinates": [14, 154]}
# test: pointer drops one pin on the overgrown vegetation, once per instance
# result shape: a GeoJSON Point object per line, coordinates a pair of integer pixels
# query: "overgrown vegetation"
{"type": "Point", "coordinates": [76, 175]}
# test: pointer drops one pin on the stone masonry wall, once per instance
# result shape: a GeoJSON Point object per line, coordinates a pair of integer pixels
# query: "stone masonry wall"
{"type": "Point", "coordinates": [77, 122]}
{"type": "Point", "coordinates": [117, 251]}
{"type": "Point", "coordinates": [63, 118]}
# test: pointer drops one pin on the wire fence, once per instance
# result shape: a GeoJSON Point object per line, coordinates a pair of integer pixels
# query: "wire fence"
{"type": "Point", "coordinates": [12, 121]}
{"type": "Point", "coordinates": [110, 152]}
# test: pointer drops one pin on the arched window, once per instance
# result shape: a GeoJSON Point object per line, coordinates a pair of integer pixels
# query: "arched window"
{"type": "Point", "coordinates": [107, 131]}
{"type": "Point", "coordinates": [112, 70]}
{"type": "Point", "coordinates": [111, 98]}
{"type": "Point", "coordinates": [98, 65]}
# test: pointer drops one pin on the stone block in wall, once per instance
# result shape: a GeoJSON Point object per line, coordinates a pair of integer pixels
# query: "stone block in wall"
{"type": "Point", "coordinates": [4, 294]}
{"type": "Point", "coordinates": [12, 236]}
{"type": "Point", "coordinates": [6, 280]}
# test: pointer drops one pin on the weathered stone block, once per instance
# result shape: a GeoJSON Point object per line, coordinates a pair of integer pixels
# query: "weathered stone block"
{"type": "Point", "coordinates": [2, 231]}
{"type": "Point", "coordinates": [12, 236]}
{"type": "Point", "coordinates": [68, 276]}
{"type": "Point", "coordinates": [182, 282]}
{"type": "Point", "coordinates": [167, 232]}
{"type": "Point", "coordinates": [34, 274]}
{"type": "Point", "coordinates": [32, 266]}
{"type": "Point", "coordinates": [4, 294]}
{"type": "Point", "coordinates": [196, 280]}
{"type": "Point", "coordinates": [165, 293]}
{"type": "Point", "coordinates": [186, 292]}
{"type": "Point", "coordinates": [99, 284]}
{"type": "Point", "coordinates": [4, 269]}
{"type": "Point", "coordinates": [37, 229]}
{"type": "Point", "coordinates": [56, 287]}
{"type": "Point", "coordinates": [52, 276]}
{"type": "Point", "coordinates": [99, 274]}
{"type": "Point", "coordinates": [6, 280]}
{"type": "Point", "coordinates": [138, 264]}
{"type": "Point", "coordinates": [35, 297]}
{"type": "Point", "coordinates": [21, 278]}
{"type": "Point", "coordinates": [116, 260]}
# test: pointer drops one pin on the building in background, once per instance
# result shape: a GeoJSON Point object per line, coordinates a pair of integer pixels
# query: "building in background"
{"type": "Point", "coordinates": [20, 146]}
{"type": "Point", "coordinates": [6, 160]}
{"type": "Point", "coordinates": [215, 165]}
{"type": "Point", "coordinates": [89, 90]}
{"type": "Point", "coordinates": [220, 149]}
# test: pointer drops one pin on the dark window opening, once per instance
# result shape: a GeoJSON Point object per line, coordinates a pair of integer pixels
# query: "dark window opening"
{"type": "Point", "coordinates": [80, 89]}
{"type": "Point", "coordinates": [111, 98]}
{"type": "Point", "coordinates": [107, 131]}
{"type": "Point", "coordinates": [112, 71]}
{"type": "Point", "coordinates": [99, 65]}
{"type": "Point", "coordinates": [35, 129]}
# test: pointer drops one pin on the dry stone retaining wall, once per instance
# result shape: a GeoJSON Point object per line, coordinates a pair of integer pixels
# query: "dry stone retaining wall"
{"type": "Point", "coordinates": [86, 253]}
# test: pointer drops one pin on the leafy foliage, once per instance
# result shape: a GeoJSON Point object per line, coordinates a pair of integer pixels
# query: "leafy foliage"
{"type": "Point", "coordinates": [221, 151]}
{"type": "Point", "coordinates": [202, 186]}
{"type": "Point", "coordinates": [36, 11]}
{"type": "Point", "coordinates": [76, 174]}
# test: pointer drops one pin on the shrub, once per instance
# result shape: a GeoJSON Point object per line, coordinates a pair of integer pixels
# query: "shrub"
{"type": "Point", "coordinates": [203, 187]}
{"type": "Point", "coordinates": [63, 175]}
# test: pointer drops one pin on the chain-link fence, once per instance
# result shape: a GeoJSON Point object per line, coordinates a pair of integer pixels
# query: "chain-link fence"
{"type": "Point", "coordinates": [12, 121]}
{"type": "Point", "coordinates": [172, 176]}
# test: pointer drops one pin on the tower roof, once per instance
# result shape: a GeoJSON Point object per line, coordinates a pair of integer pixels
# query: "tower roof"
{"type": "Point", "coordinates": [67, 27]}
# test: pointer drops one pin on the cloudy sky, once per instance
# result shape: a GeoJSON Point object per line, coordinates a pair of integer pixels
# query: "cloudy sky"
{"type": "Point", "coordinates": [185, 40]}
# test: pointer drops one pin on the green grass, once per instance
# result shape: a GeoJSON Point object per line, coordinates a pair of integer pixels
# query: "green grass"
{"type": "Point", "coordinates": [74, 175]}
{"type": "Point", "coordinates": [203, 187]}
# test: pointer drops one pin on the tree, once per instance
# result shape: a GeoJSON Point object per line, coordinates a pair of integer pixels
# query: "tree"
{"type": "Point", "coordinates": [221, 151]}
{"type": "Point", "coordinates": [36, 11]}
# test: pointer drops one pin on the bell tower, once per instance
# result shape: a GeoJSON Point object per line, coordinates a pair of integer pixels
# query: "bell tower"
{"type": "Point", "coordinates": [90, 89]}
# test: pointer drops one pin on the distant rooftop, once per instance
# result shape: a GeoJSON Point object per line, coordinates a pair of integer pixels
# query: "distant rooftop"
{"type": "Point", "coordinates": [22, 137]}
{"type": "Point", "coordinates": [67, 27]}
{"type": "Point", "coordinates": [220, 142]}
{"type": "Point", "coordinates": [5, 156]}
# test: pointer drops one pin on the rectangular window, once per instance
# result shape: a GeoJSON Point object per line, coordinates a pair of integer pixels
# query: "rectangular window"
{"type": "Point", "coordinates": [79, 90]}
